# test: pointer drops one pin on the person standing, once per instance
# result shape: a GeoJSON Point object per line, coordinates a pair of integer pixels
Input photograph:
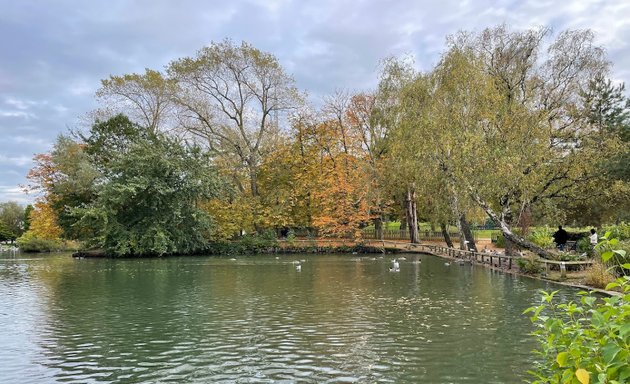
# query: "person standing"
{"type": "Point", "coordinates": [560, 238]}
{"type": "Point", "coordinates": [593, 238]}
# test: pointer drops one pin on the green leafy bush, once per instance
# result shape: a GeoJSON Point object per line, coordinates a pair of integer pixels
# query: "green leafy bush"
{"type": "Point", "coordinates": [584, 246]}
{"type": "Point", "coordinates": [542, 237]}
{"type": "Point", "coordinates": [620, 231]}
{"type": "Point", "coordinates": [529, 266]}
{"type": "Point", "coordinates": [615, 253]}
{"type": "Point", "coordinates": [584, 342]}
{"type": "Point", "coordinates": [30, 243]}
{"type": "Point", "coordinates": [500, 241]}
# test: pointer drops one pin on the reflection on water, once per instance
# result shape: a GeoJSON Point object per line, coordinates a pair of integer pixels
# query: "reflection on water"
{"type": "Point", "coordinates": [257, 320]}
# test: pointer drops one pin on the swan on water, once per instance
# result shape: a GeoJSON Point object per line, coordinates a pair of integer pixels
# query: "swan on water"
{"type": "Point", "coordinates": [395, 266]}
{"type": "Point", "coordinates": [447, 263]}
{"type": "Point", "coordinates": [298, 268]}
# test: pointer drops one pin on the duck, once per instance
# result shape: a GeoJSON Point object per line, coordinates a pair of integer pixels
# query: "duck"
{"type": "Point", "coordinates": [447, 264]}
{"type": "Point", "coordinates": [298, 268]}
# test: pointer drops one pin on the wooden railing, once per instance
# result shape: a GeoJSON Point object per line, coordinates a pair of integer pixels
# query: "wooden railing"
{"type": "Point", "coordinates": [398, 234]}
{"type": "Point", "coordinates": [492, 258]}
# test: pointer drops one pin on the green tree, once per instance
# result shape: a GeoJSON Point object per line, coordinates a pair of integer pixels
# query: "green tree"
{"type": "Point", "coordinates": [27, 217]}
{"type": "Point", "coordinates": [148, 201]}
{"type": "Point", "coordinates": [499, 122]}
{"type": "Point", "coordinates": [12, 216]}
{"type": "Point", "coordinates": [5, 233]}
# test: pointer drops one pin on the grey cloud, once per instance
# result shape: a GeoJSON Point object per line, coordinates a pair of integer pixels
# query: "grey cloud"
{"type": "Point", "coordinates": [55, 53]}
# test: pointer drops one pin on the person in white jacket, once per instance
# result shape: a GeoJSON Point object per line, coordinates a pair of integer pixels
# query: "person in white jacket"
{"type": "Point", "coordinates": [593, 238]}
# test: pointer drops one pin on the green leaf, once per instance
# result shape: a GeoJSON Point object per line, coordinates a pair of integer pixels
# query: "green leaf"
{"type": "Point", "coordinates": [613, 284]}
{"type": "Point", "coordinates": [625, 266]}
{"type": "Point", "coordinates": [607, 255]}
{"type": "Point", "coordinates": [609, 352]}
{"type": "Point", "coordinates": [620, 252]}
{"type": "Point", "coordinates": [562, 358]}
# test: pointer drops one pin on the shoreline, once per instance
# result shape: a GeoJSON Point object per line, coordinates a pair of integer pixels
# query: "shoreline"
{"type": "Point", "coordinates": [343, 246]}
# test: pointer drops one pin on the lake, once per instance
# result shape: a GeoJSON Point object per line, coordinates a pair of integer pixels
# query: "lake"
{"type": "Point", "coordinates": [341, 319]}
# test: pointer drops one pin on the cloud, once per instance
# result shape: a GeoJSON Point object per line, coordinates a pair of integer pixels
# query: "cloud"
{"type": "Point", "coordinates": [49, 74]}
{"type": "Point", "coordinates": [18, 160]}
{"type": "Point", "coordinates": [14, 193]}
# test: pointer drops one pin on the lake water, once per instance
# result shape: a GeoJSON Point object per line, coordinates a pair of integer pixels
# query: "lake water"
{"type": "Point", "coordinates": [256, 319]}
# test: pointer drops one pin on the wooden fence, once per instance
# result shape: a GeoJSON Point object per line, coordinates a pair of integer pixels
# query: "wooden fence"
{"type": "Point", "coordinates": [397, 234]}
{"type": "Point", "coordinates": [494, 259]}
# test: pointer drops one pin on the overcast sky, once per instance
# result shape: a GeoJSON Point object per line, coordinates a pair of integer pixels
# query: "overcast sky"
{"type": "Point", "coordinates": [53, 54]}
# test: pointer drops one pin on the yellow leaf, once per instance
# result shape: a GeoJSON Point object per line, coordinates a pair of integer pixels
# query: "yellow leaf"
{"type": "Point", "coordinates": [583, 376]}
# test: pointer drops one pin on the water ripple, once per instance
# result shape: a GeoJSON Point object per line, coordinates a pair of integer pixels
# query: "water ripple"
{"type": "Point", "coordinates": [255, 320]}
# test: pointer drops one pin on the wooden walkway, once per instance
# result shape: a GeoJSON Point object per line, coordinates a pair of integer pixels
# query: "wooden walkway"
{"type": "Point", "coordinates": [494, 259]}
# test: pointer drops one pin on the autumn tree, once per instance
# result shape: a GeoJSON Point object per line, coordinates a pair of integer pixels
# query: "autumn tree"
{"type": "Point", "coordinates": [147, 99]}
{"type": "Point", "coordinates": [44, 223]}
{"type": "Point", "coordinates": [65, 179]}
{"type": "Point", "coordinates": [232, 97]}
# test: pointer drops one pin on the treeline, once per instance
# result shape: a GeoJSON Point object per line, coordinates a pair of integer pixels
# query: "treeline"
{"type": "Point", "coordinates": [517, 126]}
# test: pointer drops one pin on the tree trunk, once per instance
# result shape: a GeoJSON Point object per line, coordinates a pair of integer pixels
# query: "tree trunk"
{"type": "Point", "coordinates": [467, 234]}
{"type": "Point", "coordinates": [458, 222]}
{"type": "Point", "coordinates": [378, 228]}
{"type": "Point", "coordinates": [412, 215]}
{"type": "Point", "coordinates": [447, 236]}
{"type": "Point", "coordinates": [507, 233]}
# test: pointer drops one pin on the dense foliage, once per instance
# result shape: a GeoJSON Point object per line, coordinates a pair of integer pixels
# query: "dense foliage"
{"type": "Point", "coordinates": [518, 127]}
{"type": "Point", "coordinates": [589, 341]}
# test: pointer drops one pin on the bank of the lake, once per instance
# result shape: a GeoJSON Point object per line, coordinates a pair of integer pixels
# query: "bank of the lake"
{"type": "Point", "coordinates": [207, 319]}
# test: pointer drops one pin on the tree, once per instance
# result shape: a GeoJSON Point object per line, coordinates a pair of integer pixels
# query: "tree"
{"type": "Point", "coordinates": [5, 233]}
{"type": "Point", "coordinates": [27, 217]}
{"type": "Point", "coordinates": [12, 217]}
{"type": "Point", "coordinates": [505, 128]}
{"type": "Point", "coordinates": [44, 223]}
{"type": "Point", "coordinates": [146, 98]}
{"type": "Point", "coordinates": [150, 192]}
{"type": "Point", "coordinates": [231, 97]}
{"type": "Point", "coordinates": [67, 179]}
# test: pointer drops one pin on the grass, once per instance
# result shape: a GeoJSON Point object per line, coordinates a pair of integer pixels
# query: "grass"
{"type": "Point", "coordinates": [395, 225]}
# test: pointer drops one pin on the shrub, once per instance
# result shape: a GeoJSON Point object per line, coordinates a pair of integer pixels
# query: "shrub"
{"type": "Point", "coordinates": [620, 231]}
{"type": "Point", "coordinates": [565, 256]}
{"type": "Point", "coordinates": [500, 241]}
{"type": "Point", "coordinates": [249, 244]}
{"type": "Point", "coordinates": [598, 275]}
{"type": "Point", "coordinates": [542, 237]}
{"type": "Point", "coordinates": [585, 342]}
{"type": "Point", "coordinates": [30, 243]}
{"type": "Point", "coordinates": [529, 266]}
{"type": "Point", "coordinates": [584, 246]}
{"type": "Point", "coordinates": [614, 253]}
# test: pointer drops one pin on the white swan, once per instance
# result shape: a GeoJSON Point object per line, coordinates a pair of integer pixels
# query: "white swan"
{"type": "Point", "coordinates": [447, 264]}
{"type": "Point", "coordinates": [298, 268]}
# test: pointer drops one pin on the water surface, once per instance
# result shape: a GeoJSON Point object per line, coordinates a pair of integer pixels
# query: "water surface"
{"type": "Point", "coordinates": [257, 320]}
